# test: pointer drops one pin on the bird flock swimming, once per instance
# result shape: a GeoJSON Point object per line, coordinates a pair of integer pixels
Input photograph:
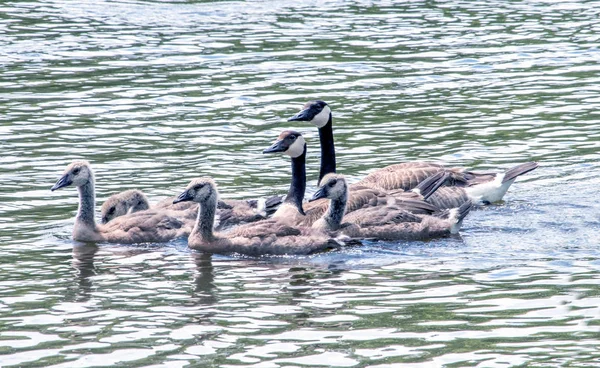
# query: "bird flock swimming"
{"type": "Point", "coordinates": [404, 201]}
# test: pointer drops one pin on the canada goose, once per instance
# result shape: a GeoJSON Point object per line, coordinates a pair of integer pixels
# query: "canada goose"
{"type": "Point", "coordinates": [140, 227]}
{"type": "Point", "coordinates": [230, 212]}
{"type": "Point", "coordinates": [269, 236]}
{"type": "Point", "coordinates": [120, 204]}
{"type": "Point", "coordinates": [384, 222]}
{"type": "Point", "coordinates": [479, 187]}
{"type": "Point", "coordinates": [294, 212]}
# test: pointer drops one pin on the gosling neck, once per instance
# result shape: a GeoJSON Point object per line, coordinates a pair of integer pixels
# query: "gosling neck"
{"type": "Point", "coordinates": [335, 213]}
{"type": "Point", "coordinates": [87, 200]}
{"type": "Point", "coordinates": [327, 149]}
{"type": "Point", "coordinates": [206, 219]}
{"type": "Point", "coordinates": [297, 189]}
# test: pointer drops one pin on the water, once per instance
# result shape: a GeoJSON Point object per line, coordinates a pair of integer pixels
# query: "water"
{"type": "Point", "coordinates": [156, 93]}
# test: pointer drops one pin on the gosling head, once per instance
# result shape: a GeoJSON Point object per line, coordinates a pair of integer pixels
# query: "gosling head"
{"type": "Point", "coordinates": [332, 186]}
{"type": "Point", "coordinates": [78, 173]}
{"type": "Point", "coordinates": [199, 190]}
{"type": "Point", "coordinates": [289, 142]}
{"type": "Point", "coordinates": [129, 201]}
{"type": "Point", "coordinates": [316, 112]}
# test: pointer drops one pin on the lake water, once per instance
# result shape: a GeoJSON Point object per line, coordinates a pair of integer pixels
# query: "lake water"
{"type": "Point", "coordinates": [154, 94]}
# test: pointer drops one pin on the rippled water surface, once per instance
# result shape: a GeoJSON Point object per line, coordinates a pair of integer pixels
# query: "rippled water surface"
{"type": "Point", "coordinates": [156, 93]}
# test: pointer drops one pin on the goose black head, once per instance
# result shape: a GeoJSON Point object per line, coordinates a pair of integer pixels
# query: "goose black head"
{"type": "Point", "coordinates": [315, 112]}
{"type": "Point", "coordinates": [289, 142]}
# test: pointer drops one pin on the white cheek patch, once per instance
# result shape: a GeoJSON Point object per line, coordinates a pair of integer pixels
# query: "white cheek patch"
{"type": "Point", "coordinates": [321, 119]}
{"type": "Point", "coordinates": [297, 148]}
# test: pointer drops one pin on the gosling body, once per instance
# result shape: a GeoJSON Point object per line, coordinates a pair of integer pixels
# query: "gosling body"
{"type": "Point", "coordinates": [266, 237]}
{"type": "Point", "coordinates": [385, 222]}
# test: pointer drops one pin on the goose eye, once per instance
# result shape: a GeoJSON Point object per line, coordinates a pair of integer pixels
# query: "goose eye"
{"type": "Point", "coordinates": [198, 186]}
{"type": "Point", "coordinates": [332, 183]}
{"type": "Point", "coordinates": [76, 171]}
{"type": "Point", "coordinates": [292, 137]}
{"type": "Point", "coordinates": [111, 210]}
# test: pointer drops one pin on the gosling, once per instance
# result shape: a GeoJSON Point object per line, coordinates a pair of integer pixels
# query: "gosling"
{"type": "Point", "coordinates": [266, 237]}
{"type": "Point", "coordinates": [149, 226]}
{"type": "Point", "coordinates": [384, 222]}
{"type": "Point", "coordinates": [123, 203]}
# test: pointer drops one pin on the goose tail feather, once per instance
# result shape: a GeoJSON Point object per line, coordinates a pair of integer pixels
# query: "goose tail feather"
{"type": "Point", "coordinates": [428, 186]}
{"type": "Point", "coordinates": [519, 170]}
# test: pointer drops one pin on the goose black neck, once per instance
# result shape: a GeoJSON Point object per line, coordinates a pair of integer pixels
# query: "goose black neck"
{"type": "Point", "coordinates": [327, 149]}
{"type": "Point", "coordinates": [298, 186]}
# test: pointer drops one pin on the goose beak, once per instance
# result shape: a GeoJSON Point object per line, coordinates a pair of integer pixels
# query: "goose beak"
{"type": "Point", "coordinates": [318, 195]}
{"type": "Point", "coordinates": [304, 115]}
{"type": "Point", "coordinates": [64, 181]}
{"type": "Point", "coordinates": [183, 197]}
{"type": "Point", "coordinates": [275, 147]}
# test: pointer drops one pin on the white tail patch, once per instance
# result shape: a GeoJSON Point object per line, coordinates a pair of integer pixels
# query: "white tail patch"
{"type": "Point", "coordinates": [261, 207]}
{"type": "Point", "coordinates": [453, 217]}
{"type": "Point", "coordinates": [321, 119]}
{"type": "Point", "coordinates": [491, 192]}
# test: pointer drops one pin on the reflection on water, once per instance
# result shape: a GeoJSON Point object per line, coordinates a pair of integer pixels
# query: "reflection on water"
{"type": "Point", "coordinates": [156, 93]}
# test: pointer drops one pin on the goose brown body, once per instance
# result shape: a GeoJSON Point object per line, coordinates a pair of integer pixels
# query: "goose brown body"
{"type": "Point", "coordinates": [140, 227]}
{"type": "Point", "coordinates": [266, 237]}
{"type": "Point", "coordinates": [294, 212]}
{"type": "Point", "coordinates": [478, 187]}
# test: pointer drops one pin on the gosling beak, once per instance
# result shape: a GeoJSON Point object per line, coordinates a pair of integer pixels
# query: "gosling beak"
{"type": "Point", "coordinates": [64, 181]}
{"type": "Point", "coordinates": [320, 193]}
{"type": "Point", "coordinates": [304, 115]}
{"type": "Point", "coordinates": [183, 197]}
{"type": "Point", "coordinates": [276, 147]}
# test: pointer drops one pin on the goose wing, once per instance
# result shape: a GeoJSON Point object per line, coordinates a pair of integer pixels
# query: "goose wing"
{"type": "Point", "coordinates": [263, 229]}
{"type": "Point", "coordinates": [377, 216]}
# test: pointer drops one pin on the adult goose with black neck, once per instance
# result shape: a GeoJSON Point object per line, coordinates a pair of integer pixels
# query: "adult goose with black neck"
{"type": "Point", "coordinates": [477, 187]}
{"type": "Point", "coordinates": [293, 211]}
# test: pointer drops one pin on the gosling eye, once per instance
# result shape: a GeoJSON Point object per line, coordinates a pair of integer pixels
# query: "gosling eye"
{"type": "Point", "coordinates": [111, 210]}
{"type": "Point", "coordinates": [332, 183]}
{"type": "Point", "coordinates": [198, 186]}
{"type": "Point", "coordinates": [76, 171]}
